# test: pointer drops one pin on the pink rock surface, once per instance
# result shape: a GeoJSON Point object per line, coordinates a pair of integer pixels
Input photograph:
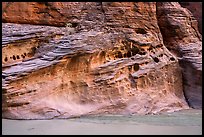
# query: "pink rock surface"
{"type": "Point", "coordinates": [109, 59]}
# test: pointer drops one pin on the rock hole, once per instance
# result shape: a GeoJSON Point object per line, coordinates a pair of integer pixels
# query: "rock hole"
{"type": "Point", "coordinates": [33, 49]}
{"type": "Point", "coordinates": [120, 55]}
{"type": "Point", "coordinates": [129, 68]}
{"type": "Point", "coordinates": [142, 53]}
{"type": "Point", "coordinates": [134, 50]}
{"type": "Point", "coordinates": [136, 67]}
{"type": "Point", "coordinates": [125, 55]}
{"type": "Point", "coordinates": [128, 54]}
{"type": "Point", "coordinates": [127, 26]}
{"type": "Point", "coordinates": [14, 57]}
{"type": "Point", "coordinates": [121, 11]}
{"type": "Point", "coordinates": [75, 24]}
{"type": "Point", "coordinates": [6, 59]}
{"type": "Point", "coordinates": [172, 59]}
{"type": "Point", "coordinates": [102, 54]}
{"type": "Point", "coordinates": [17, 57]}
{"type": "Point", "coordinates": [140, 31]}
{"type": "Point", "coordinates": [156, 59]}
{"type": "Point", "coordinates": [135, 8]}
{"type": "Point", "coordinates": [24, 54]}
{"type": "Point", "coordinates": [122, 48]}
{"type": "Point", "coordinates": [159, 46]}
{"type": "Point", "coordinates": [150, 48]}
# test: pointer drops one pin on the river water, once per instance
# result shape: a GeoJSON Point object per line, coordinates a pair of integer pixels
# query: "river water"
{"type": "Point", "coordinates": [185, 122]}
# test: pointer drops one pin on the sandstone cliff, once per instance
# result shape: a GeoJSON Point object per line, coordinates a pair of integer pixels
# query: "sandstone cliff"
{"type": "Point", "coordinates": [196, 9]}
{"type": "Point", "coordinates": [93, 58]}
{"type": "Point", "coordinates": [185, 42]}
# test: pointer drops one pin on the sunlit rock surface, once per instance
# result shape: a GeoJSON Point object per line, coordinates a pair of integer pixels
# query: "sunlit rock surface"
{"type": "Point", "coordinates": [109, 59]}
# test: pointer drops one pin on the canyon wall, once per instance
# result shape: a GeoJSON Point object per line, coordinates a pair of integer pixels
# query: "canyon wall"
{"type": "Point", "coordinates": [185, 42]}
{"type": "Point", "coordinates": [196, 9]}
{"type": "Point", "coordinates": [69, 59]}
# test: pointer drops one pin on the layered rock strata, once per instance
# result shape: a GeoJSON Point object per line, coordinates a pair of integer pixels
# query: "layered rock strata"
{"type": "Point", "coordinates": [184, 40]}
{"type": "Point", "coordinates": [196, 9]}
{"type": "Point", "coordinates": [110, 59]}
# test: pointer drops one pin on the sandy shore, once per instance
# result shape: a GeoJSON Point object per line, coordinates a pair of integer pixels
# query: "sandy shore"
{"type": "Point", "coordinates": [187, 122]}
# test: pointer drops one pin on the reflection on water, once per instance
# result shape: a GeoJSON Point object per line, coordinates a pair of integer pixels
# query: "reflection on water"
{"type": "Point", "coordinates": [183, 122]}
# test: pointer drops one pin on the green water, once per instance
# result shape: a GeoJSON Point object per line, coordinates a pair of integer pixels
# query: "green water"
{"type": "Point", "coordinates": [185, 122]}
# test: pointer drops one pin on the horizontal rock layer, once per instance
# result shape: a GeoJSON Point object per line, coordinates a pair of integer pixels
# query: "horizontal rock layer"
{"type": "Point", "coordinates": [186, 42]}
{"type": "Point", "coordinates": [110, 58]}
{"type": "Point", "coordinates": [196, 9]}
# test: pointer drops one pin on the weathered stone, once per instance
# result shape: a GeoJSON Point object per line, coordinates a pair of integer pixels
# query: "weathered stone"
{"type": "Point", "coordinates": [45, 13]}
{"type": "Point", "coordinates": [110, 59]}
{"type": "Point", "coordinates": [196, 10]}
{"type": "Point", "coordinates": [185, 42]}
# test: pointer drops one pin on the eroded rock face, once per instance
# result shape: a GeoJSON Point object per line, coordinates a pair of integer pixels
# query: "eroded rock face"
{"type": "Point", "coordinates": [111, 61]}
{"type": "Point", "coordinates": [196, 9]}
{"type": "Point", "coordinates": [184, 40]}
{"type": "Point", "coordinates": [43, 13]}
